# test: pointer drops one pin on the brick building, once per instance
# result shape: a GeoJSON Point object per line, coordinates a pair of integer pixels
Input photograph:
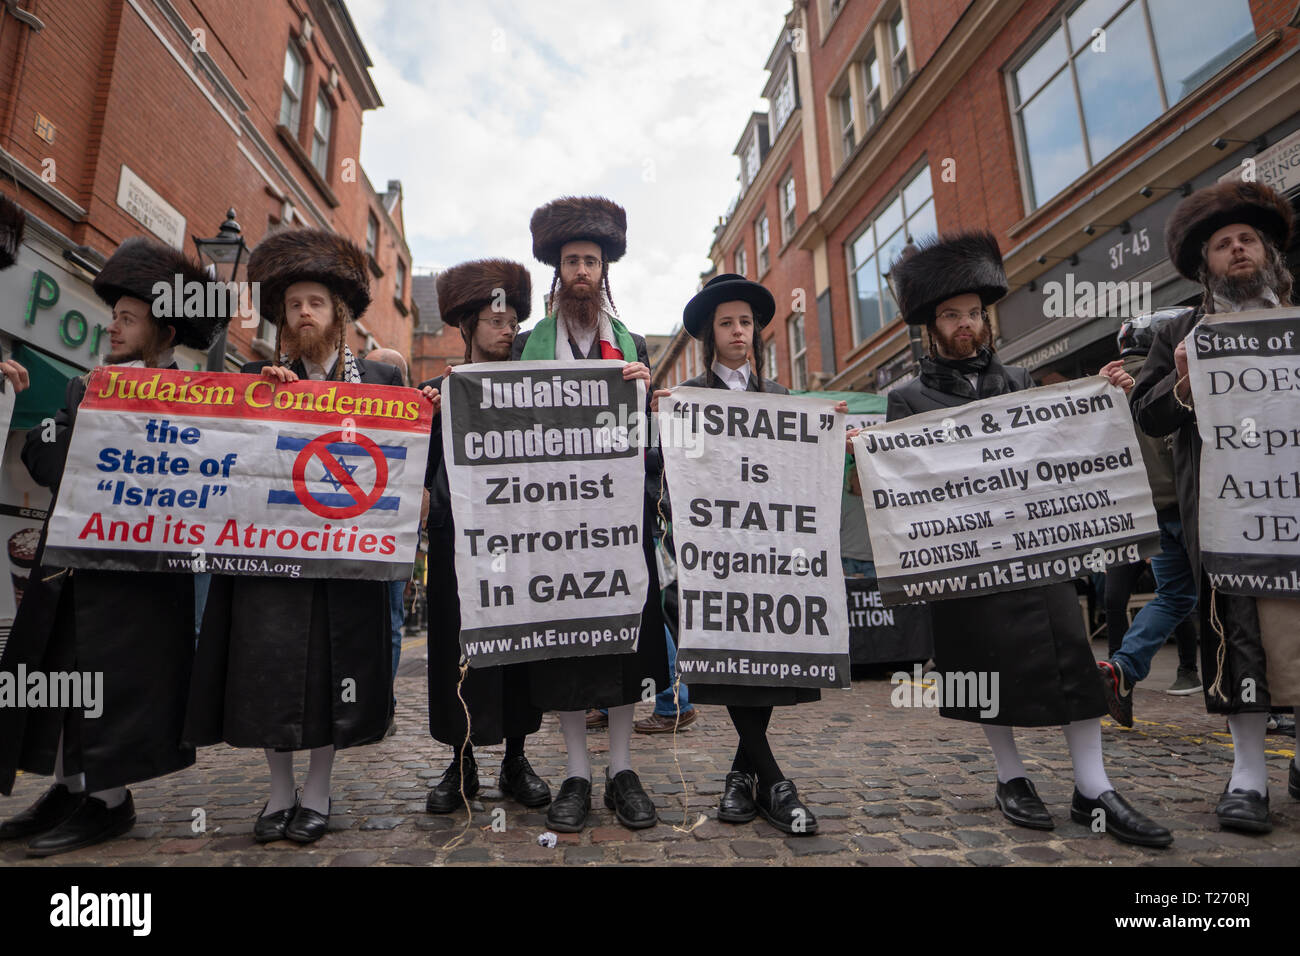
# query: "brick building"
{"type": "Point", "coordinates": [128, 117]}
{"type": "Point", "coordinates": [1070, 129]}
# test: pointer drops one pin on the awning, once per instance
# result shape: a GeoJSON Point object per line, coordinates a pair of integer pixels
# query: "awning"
{"type": "Point", "coordinates": [860, 403]}
{"type": "Point", "coordinates": [48, 390]}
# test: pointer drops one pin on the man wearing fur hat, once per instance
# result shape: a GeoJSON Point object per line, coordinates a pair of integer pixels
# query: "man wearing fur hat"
{"type": "Point", "coordinates": [135, 627]}
{"type": "Point", "coordinates": [1031, 638]}
{"type": "Point", "coordinates": [486, 300]}
{"type": "Point", "coordinates": [273, 651]}
{"type": "Point", "coordinates": [1231, 238]}
{"type": "Point", "coordinates": [579, 237]}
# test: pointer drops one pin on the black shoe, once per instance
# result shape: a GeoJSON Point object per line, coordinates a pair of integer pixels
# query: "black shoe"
{"type": "Point", "coordinates": [1119, 696]}
{"type": "Point", "coordinates": [630, 803]}
{"type": "Point", "coordinates": [780, 807]}
{"type": "Point", "coordinates": [1243, 810]}
{"type": "Point", "coordinates": [1293, 781]}
{"type": "Point", "coordinates": [92, 822]}
{"type": "Point", "coordinates": [54, 806]}
{"type": "Point", "coordinates": [1019, 803]}
{"type": "Point", "coordinates": [737, 803]}
{"type": "Point", "coordinates": [445, 797]}
{"type": "Point", "coordinates": [1121, 820]}
{"type": "Point", "coordinates": [269, 827]}
{"type": "Point", "coordinates": [570, 809]}
{"type": "Point", "coordinates": [517, 780]}
{"type": "Point", "coordinates": [307, 825]}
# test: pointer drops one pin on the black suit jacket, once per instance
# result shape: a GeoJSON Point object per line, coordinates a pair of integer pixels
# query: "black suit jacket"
{"type": "Point", "coordinates": [372, 373]}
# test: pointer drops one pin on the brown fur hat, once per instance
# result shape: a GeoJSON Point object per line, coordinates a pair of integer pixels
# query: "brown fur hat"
{"type": "Point", "coordinates": [12, 220]}
{"type": "Point", "coordinates": [137, 265]}
{"type": "Point", "coordinates": [465, 288]}
{"type": "Point", "coordinates": [1208, 210]}
{"type": "Point", "coordinates": [572, 218]}
{"type": "Point", "coordinates": [309, 255]}
{"type": "Point", "coordinates": [944, 267]}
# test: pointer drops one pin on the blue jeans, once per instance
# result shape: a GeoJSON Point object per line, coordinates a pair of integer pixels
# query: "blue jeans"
{"type": "Point", "coordinates": [1175, 599]}
{"type": "Point", "coordinates": [397, 617]}
{"type": "Point", "coordinates": [664, 705]}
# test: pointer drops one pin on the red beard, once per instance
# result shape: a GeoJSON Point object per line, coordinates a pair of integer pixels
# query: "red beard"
{"type": "Point", "coordinates": [959, 349]}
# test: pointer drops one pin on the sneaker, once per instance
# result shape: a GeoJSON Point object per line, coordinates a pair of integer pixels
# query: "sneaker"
{"type": "Point", "coordinates": [1283, 725]}
{"type": "Point", "coordinates": [1119, 696]}
{"type": "Point", "coordinates": [665, 723]}
{"type": "Point", "coordinates": [1187, 682]}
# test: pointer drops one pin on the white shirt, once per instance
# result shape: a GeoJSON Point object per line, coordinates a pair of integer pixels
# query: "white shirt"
{"type": "Point", "coordinates": [736, 379]}
{"type": "Point", "coordinates": [583, 340]}
{"type": "Point", "coordinates": [317, 372]}
{"type": "Point", "coordinates": [1267, 299]}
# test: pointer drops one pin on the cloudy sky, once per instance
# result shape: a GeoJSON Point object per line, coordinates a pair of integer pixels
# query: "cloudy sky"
{"type": "Point", "coordinates": [494, 108]}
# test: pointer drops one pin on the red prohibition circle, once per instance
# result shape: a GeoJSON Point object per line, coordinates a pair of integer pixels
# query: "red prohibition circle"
{"type": "Point", "coordinates": [318, 448]}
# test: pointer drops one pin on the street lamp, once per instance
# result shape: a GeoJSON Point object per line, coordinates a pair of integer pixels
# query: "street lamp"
{"type": "Point", "coordinates": [913, 331]}
{"type": "Point", "coordinates": [221, 257]}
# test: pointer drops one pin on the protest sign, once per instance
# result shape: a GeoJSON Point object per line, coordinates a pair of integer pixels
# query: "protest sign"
{"type": "Point", "coordinates": [1245, 385]}
{"type": "Point", "coordinates": [1020, 490]}
{"type": "Point", "coordinates": [546, 468]}
{"type": "Point", "coordinates": [878, 633]}
{"type": "Point", "coordinates": [755, 481]}
{"type": "Point", "coordinates": [171, 470]}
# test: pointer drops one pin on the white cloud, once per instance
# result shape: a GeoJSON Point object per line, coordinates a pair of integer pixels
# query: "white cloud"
{"type": "Point", "coordinates": [492, 109]}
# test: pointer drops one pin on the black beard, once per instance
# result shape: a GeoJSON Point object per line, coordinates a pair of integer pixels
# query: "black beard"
{"type": "Point", "coordinates": [1244, 288]}
{"type": "Point", "coordinates": [580, 307]}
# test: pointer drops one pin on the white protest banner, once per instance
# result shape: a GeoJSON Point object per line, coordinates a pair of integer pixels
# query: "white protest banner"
{"type": "Point", "coordinates": [755, 481]}
{"type": "Point", "coordinates": [1015, 491]}
{"type": "Point", "coordinates": [1245, 382]}
{"type": "Point", "coordinates": [546, 467]}
{"type": "Point", "coordinates": [171, 470]}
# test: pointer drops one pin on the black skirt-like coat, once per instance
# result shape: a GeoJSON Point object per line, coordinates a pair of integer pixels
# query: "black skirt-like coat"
{"type": "Point", "coordinates": [611, 680]}
{"type": "Point", "coordinates": [497, 697]}
{"type": "Point", "coordinates": [743, 695]}
{"type": "Point", "coordinates": [275, 654]}
{"type": "Point", "coordinates": [1032, 638]}
{"type": "Point", "coordinates": [134, 627]}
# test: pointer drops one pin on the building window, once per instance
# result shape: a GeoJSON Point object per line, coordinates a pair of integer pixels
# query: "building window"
{"type": "Point", "coordinates": [291, 90]}
{"type": "Point", "coordinates": [872, 251]}
{"type": "Point", "coordinates": [751, 160]}
{"type": "Point", "coordinates": [770, 372]}
{"type": "Point", "coordinates": [798, 353]}
{"type": "Point", "coordinates": [783, 104]}
{"type": "Point", "coordinates": [847, 135]}
{"type": "Point", "coordinates": [1074, 104]}
{"type": "Point", "coordinates": [786, 195]}
{"type": "Point", "coordinates": [898, 40]}
{"type": "Point", "coordinates": [761, 236]}
{"type": "Point", "coordinates": [399, 281]}
{"type": "Point", "coordinates": [372, 234]}
{"type": "Point", "coordinates": [871, 77]}
{"type": "Point", "coordinates": [741, 266]}
{"type": "Point", "coordinates": [320, 136]}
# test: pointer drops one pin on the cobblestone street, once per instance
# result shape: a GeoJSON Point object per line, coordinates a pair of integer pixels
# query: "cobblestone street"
{"type": "Point", "coordinates": [890, 787]}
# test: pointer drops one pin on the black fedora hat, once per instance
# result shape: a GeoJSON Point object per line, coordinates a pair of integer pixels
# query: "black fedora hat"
{"type": "Point", "coordinates": [728, 287]}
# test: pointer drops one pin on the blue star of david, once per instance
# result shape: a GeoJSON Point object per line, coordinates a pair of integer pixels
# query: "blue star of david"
{"type": "Point", "coordinates": [328, 478]}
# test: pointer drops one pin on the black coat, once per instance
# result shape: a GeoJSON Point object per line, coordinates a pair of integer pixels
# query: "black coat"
{"type": "Point", "coordinates": [1032, 638]}
{"type": "Point", "coordinates": [134, 627]}
{"type": "Point", "coordinates": [497, 697]}
{"type": "Point", "coordinates": [1158, 412]}
{"type": "Point", "coordinates": [743, 695]}
{"type": "Point", "coordinates": [576, 683]}
{"type": "Point", "coordinates": [274, 653]}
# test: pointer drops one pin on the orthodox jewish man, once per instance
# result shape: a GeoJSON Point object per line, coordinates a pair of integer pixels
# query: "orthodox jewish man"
{"type": "Point", "coordinates": [727, 317]}
{"type": "Point", "coordinates": [134, 627]}
{"type": "Point", "coordinates": [1231, 239]}
{"type": "Point", "coordinates": [274, 652]}
{"type": "Point", "coordinates": [579, 237]}
{"type": "Point", "coordinates": [486, 300]}
{"type": "Point", "coordinates": [1031, 638]}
